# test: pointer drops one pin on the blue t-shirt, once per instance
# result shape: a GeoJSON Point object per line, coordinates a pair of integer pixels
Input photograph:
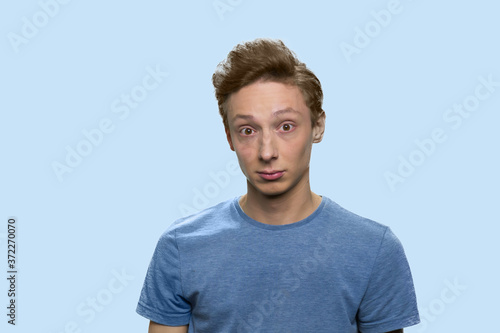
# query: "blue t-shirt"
{"type": "Point", "coordinates": [221, 271]}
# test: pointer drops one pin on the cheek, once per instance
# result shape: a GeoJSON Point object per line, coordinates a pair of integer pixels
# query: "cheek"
{"type": "Point", "coordinates": [300, 149]}
{"type": "Point", "coordinates": [244, 149]}
{"type": "Point", "coordinates": [245, 154]}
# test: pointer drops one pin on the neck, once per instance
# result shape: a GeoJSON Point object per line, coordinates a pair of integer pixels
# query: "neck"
{"type": "Point", "coordinates": [292, 206]}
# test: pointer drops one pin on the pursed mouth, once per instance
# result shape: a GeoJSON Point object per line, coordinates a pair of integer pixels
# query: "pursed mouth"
{"type": "Point", "coordinates": [271, 172]}
{"type": "Point", "coordinates": [271, 175]}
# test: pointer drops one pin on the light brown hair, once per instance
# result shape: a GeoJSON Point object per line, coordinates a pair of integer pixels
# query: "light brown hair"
{"type": "Point", "coordinates": [269, 60]}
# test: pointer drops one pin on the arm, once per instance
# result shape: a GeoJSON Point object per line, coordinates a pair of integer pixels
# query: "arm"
{"type": "Point", "coordinates": [161, 299]}
{"type": "Point", "coordinates": [389, 296]}
{"type": "Point", "coordinates": [157, 328]}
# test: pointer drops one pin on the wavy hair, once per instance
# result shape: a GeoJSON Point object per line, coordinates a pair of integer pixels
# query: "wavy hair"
{"type": "Point", "coordinates": [268, 60]}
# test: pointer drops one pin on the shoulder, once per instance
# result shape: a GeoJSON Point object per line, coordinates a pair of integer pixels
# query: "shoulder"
{"type": "Point", "coordinates": [346, 221]}
{"type": "Point", "coordinates": [358, 236]}
{"type": "Point", "coordinates": [208, 221]}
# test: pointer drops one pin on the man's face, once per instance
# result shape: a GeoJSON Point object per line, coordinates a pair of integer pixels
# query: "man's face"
{"type": "Point", "coordinates": [270, 131]}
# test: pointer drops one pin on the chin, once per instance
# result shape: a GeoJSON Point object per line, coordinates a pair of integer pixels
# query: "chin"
{"type": "Point", "coordinates": [271, 189]}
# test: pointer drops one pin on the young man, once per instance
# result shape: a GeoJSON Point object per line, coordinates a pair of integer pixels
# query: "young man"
{"type": "Point", "coordinates": [279, 258]}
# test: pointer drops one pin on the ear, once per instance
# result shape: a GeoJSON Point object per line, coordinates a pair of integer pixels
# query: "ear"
{"type": "Point", "coordinates": [229, 140]}
{"type": "Point", "coordinates": [319, 128]}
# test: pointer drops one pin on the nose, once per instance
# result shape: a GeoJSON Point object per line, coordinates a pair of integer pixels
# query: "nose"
{"type": "Point", "coordinates": [267, 149]}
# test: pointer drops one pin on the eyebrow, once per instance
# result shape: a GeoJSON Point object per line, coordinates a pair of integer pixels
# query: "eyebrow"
{"type": "Point", "coordinates": [275, 114]}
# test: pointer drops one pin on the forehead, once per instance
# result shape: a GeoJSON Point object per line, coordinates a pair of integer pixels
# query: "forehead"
{"type": "Point", "coordinates": [263, 98]}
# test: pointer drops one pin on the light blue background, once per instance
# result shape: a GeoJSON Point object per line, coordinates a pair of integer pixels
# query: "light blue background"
{"type": "Point", "coordinates": [106, 215]}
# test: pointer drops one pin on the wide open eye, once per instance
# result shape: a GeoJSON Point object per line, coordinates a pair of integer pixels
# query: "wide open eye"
{"type": "Point", "coordinates": [246, 131]}
{"type": "Point", "coordinates": [287, 127]}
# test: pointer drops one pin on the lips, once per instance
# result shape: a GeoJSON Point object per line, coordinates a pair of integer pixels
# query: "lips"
{"type": "Point", "coordinates": [271, 174]}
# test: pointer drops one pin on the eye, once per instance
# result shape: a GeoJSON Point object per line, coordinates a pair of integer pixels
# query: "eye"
{"type": "Point", "coordinates": [287, 127]}
{"type": "Point", "coordinates": [246, 131]}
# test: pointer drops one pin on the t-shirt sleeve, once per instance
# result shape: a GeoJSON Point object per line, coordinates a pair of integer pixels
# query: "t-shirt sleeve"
{"type": "Point", "coordinates": [389, 302]}
{"type": "Point", "coordinates": [161, 298]}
